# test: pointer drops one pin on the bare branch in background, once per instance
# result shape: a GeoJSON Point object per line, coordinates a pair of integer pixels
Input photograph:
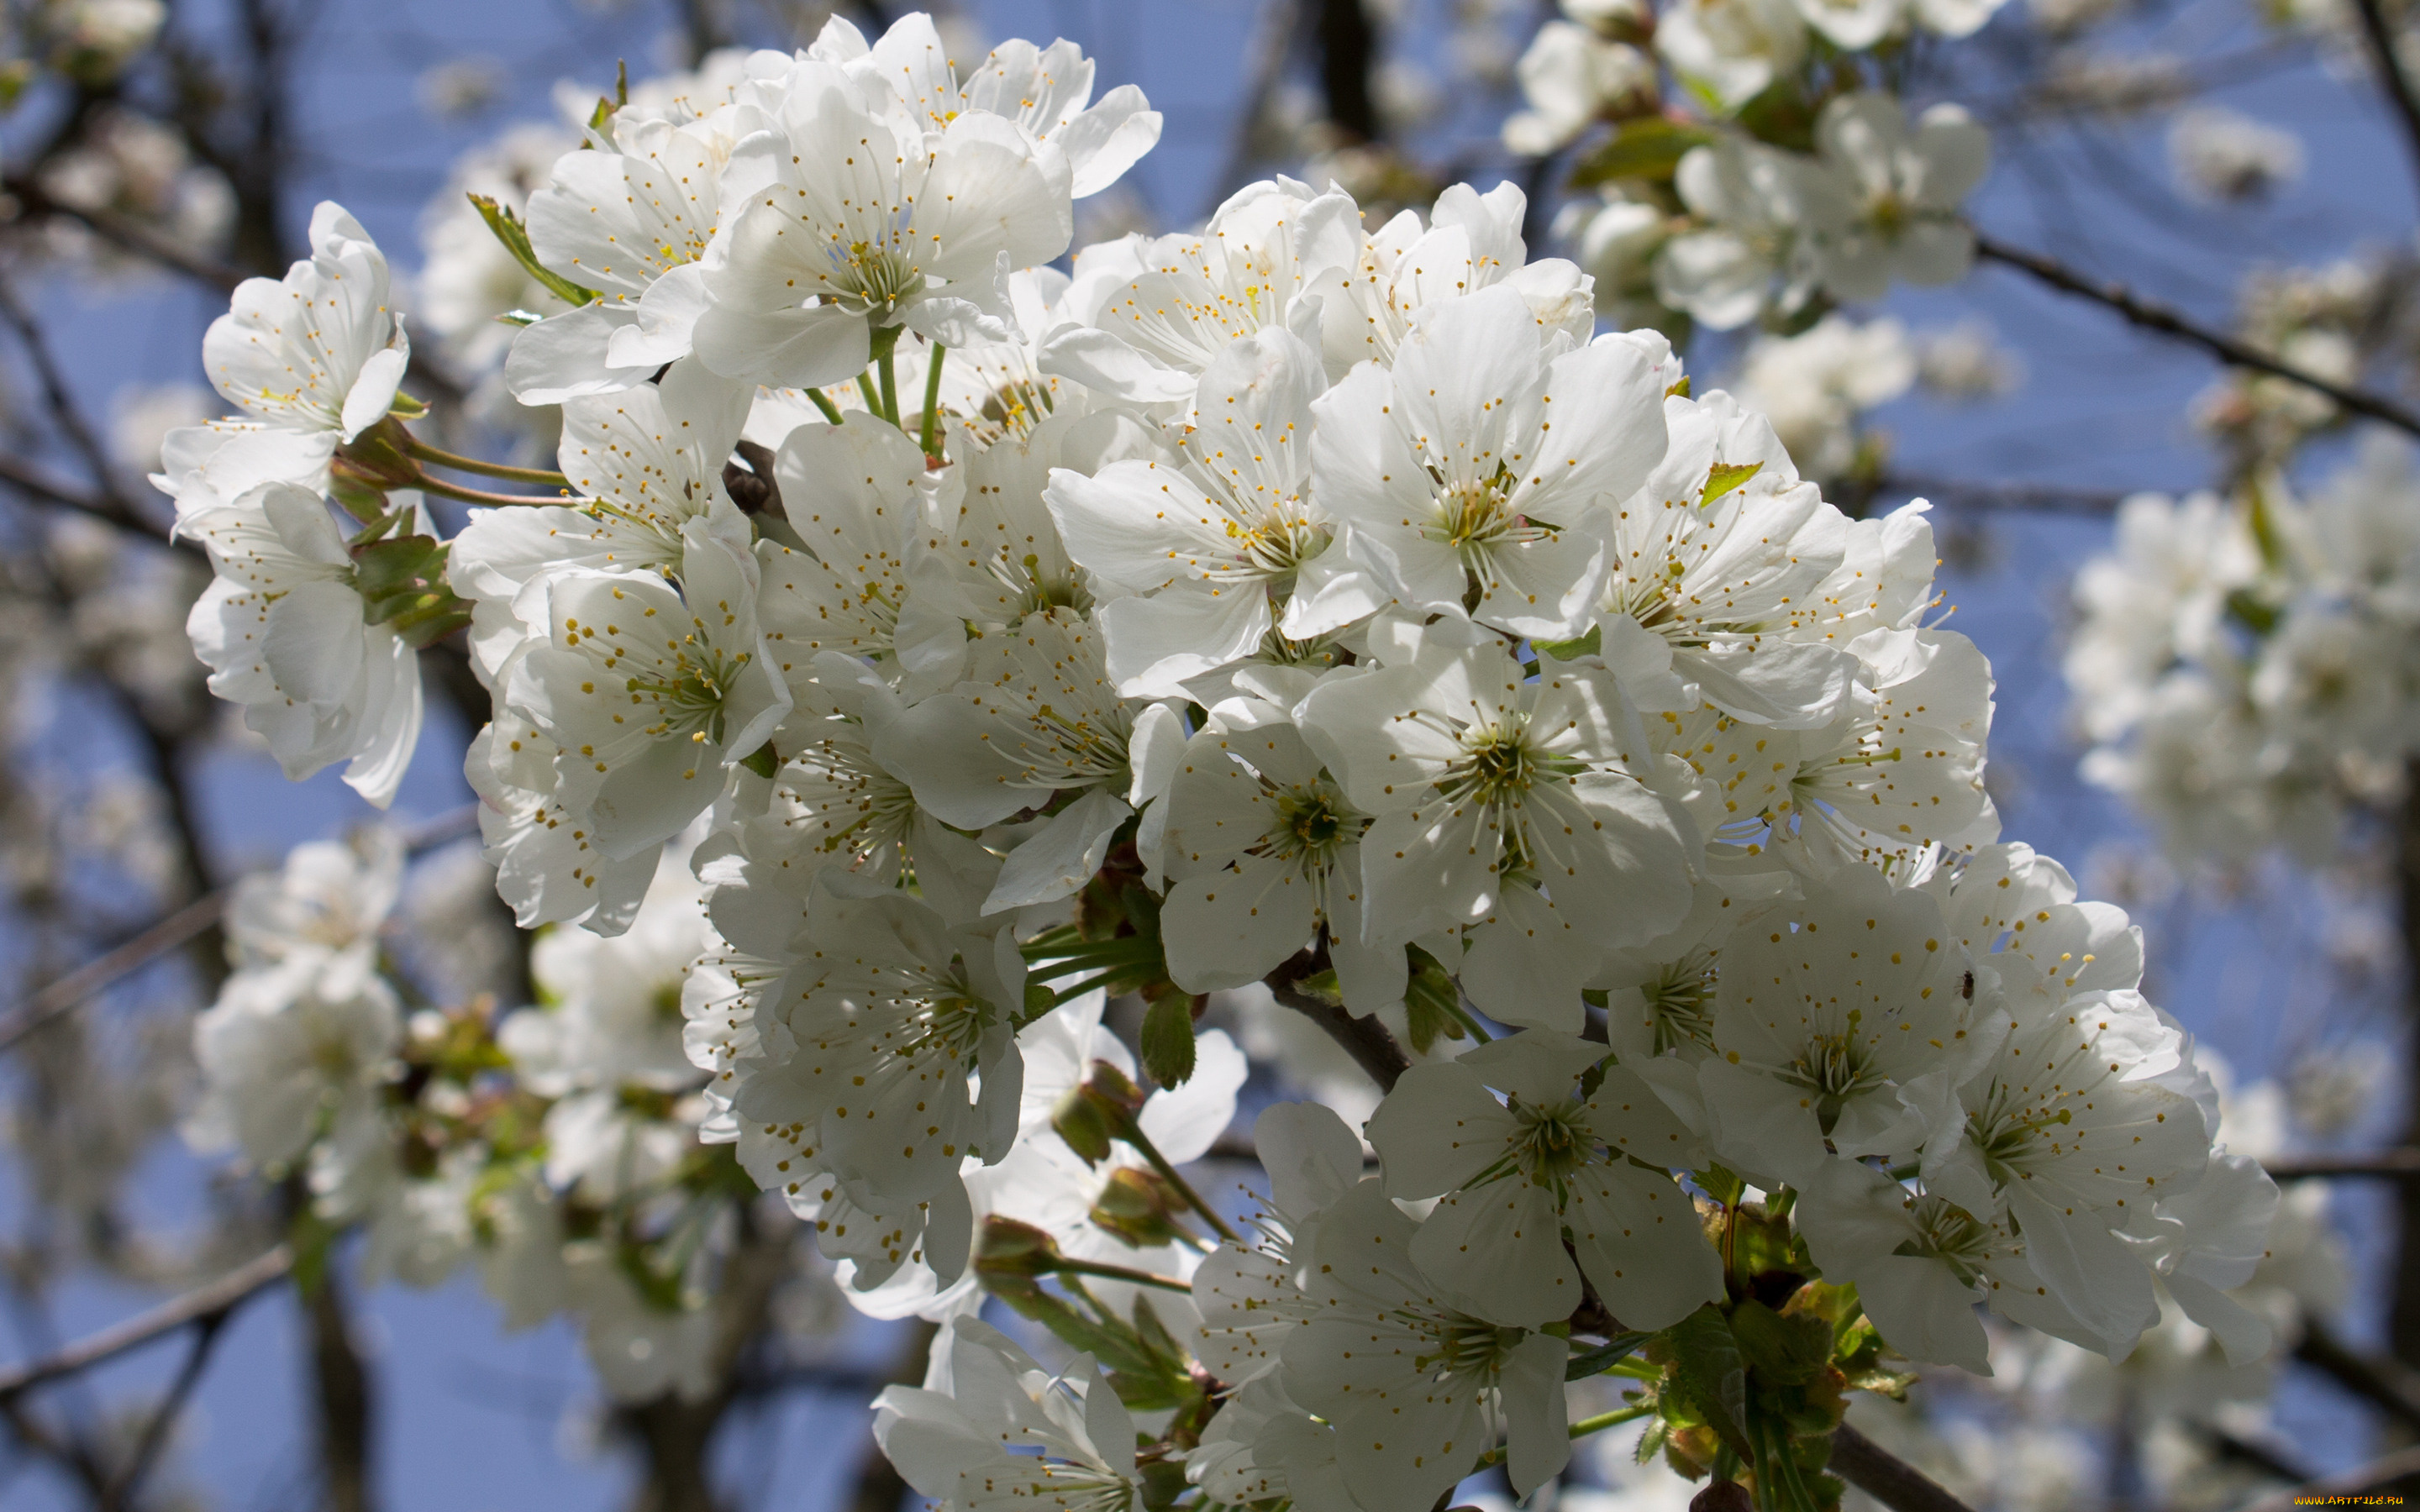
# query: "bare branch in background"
{"type": "Point", "coordinates": [1348, 60]}
{"type": "Point", "coordinates": [342, 1397]}
{"type": "Point", "coordinates": [126, 233]}
{"type": "Point", "coordinates": [2008, 497]}
{"type": "Point", "coordinates": [217, 1299]}
{"type": "Point", "coordinates": [2384, 1383]}
{"type": "Point", "coordinates": [61, 402]}
{"type": "Point", "coordinates": [2399, 1164]}
{"type": "Point", "coordinates": [2392, 80]}
{"type": "Point", "coordinates": [157, 939]}
{"type": "Point", "coordinates": [2151, 316]}
{"type": "Point", "coordinates": [1886, 1477]}
{"type": "Point", "coordinates": [130, 1476]}
{"type": "Point", "coordinates": [2398, 1471]}
{"type": "Point", "coordinates": [1273, 42]}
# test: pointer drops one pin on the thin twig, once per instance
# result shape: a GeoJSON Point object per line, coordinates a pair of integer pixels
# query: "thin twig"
{"type": "Point", "coordinates": [79, 985]}
{"type": "Point", "coordinates": [1367, 1040]}
{"type": "Point", "coordinates": [2400, 1164]}
{"type": "Point", "coordinates": [2398, 1471]}
{"type": "Point", "coordinates": [1886, 1477]}
{"type": "Point", "coordinates": [2384, 1382]}
{"type": "Point", "coordinates": [35, 483]}
{"type": "Point", "coordinates": [130, 1476]}
{"type": "Point", "coordinates": [219, 1297]}
{"type": "Point", "coordinates": [2391, 77]}
{"type": "Point", "coordinates": [2015, 497]}
{"type": "Point", "coordinates": [127, 235]}
{"type": "Point", "coordinates": [2159, 317]}
{"type": "Point", "coordinates": [58, 398]}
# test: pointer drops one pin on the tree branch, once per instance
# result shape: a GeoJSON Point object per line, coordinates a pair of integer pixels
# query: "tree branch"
{"type": "Point", "coordinates": [1366, 1039]}
{"type": "Point", "coordinates": [2398, 1471]}
{"type": "Point", "coordinates": [79, 985]}
{"type": "Point", "coordinates": [1886, 1477]}
{"type": "Point", "coordinates": [2010, 497]}
{"type": "Point", "coordinates": [2399, 1164]}
{"type": "Point", "coordinates": [127, 235]}
{"type": "Point", "coordinates": [2152, 316]}
{"type": "Point", "coordinates": [129, 1477]}
{"type": "Point", "coordinates": [2391, 78]}
{"type": "Point", "coordinates": [2385, 1383]}
{"type": "Point", "coordinates": [218, 1299]}
{"type": "Point", "coordinates": [343, 1398]}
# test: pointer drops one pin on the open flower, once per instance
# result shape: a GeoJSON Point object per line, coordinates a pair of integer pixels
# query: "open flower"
{"type": "Point", "coordinates": [1479, 776]}
{"type": "Point", "coordinates": [1476, 474]}
{"type": "Point", "coordinates": [283, 628]}
{"type": "Point", "coordinates": [865, 226]}
{"type": "Point", "coordinates": [1545, 1167]}
{"type": "Point", "coordinates": [1416, 1387]}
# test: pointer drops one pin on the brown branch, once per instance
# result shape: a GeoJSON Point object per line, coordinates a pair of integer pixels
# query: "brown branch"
{"type": "Point", "coordinates": [343, 1397]}
{"type": "Point", "coordinates": [79, 986]}
{"type": "Point", "coordinates": [2403, 1310]}
{"type": "Point", "coordinates": [57, 398]}
{"type": "Point", "coordinates": [129, 1478]}
{"type": "Point", "coordinates": [2011, 497]}
{"type": "Point", "coordinates": [2398, 1471]}
{"type": "Point", "coordinates": [2399, 1164]}
{"type": "Point", "coordinates": [2391, 77]}
{"type": "Point", "coordinates": [1348, 57]}
{"type": "Point", "coordinates": [2153, 317]}
{"type": "Point", "coordinates": [1886, 1477]}
{"type": "Point", "coordinates": [1366, 1039]}
{"type": "Point", "coordinates": [38, 484]}
{"type": "Point", "coordinates": [218, 1299]}
{"type": "Point", "coordinates": [125, 233]}
{"type": "Point", "coordinates": [2384, 1382]}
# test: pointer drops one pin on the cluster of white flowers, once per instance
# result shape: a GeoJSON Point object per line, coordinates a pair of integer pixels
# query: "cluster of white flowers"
{"type": "Point", "coordinates": [2244, 665]}
{"type": "Point", "coordinates": [1826, 193]}
{"type": "Point", "coordinates": [1291, 602]}
{"type": "Point", "coordinates": [554, 1148]}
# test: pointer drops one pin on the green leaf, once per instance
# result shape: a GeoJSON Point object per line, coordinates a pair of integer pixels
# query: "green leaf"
{"type": "Point", "coordinates": [1168, 1040]}
{"type": "Point", "coordinates": [1604, 1356]}
{"type": "Point", "coordinates": [515, 237]}
{"type": "Point", "coordinates": [1586, 645]}
{"type": "Point", "coordinates": [1726, 477]}
{"type": "Point", "coordinates": [1651, 148]}
{"type": "Point", "coordinates": [1707, 1371]}
{"type": "Point", "coordinates": [763, 761]}
{"type": "Point", "coordinates": [1791, 1350]}
{"type": "Point", "coordinates": [1430, 998]}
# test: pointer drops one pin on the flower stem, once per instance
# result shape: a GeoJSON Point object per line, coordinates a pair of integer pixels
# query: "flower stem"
{"type": "Point", "coordinates": [865, 391]}
{"type": "Point", "coordinates": [1122, 1272]}
{"type": "Point", "coordinates": [449, 460]}
{"type": "Point", "coordinates": [1132, 1134]}
{"type": "Point", "coordinates": [890, 388]}
{"type": "Point", "coordinates": [476, 496]}
{"type": "Point", "coordinates": [932, 395]}
{"type": "Point", "coordinates": [1462, 1016]}
{"type": "Point", "coordinates": [832, 411]}
{"type": "Point", "coordinates": [1068, 994]}
{"type": "Point", "coordinates": [1580, 1429]}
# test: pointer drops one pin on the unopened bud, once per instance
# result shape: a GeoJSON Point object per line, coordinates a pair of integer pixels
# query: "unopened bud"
{"type": "Point", "coordinates": [1095, 1111]}
{"type": "Point", "coordinates": [1140, 1206]}
{"type": "Point", "coordinates": [1007, 1249]}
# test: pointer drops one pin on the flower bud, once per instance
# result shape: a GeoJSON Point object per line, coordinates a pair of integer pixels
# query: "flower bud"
{"type": "Point", "coordinates": [1095, 1111]}
{"type": "Point", "coordinates": [1008, 1250]}
{"type": "Point", "coordinates": [1140, 1206]}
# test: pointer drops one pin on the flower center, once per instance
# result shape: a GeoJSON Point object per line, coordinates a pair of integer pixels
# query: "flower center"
{"type": "Point", "coordinates": [689, 700]}
{"type": "Point", "coordinates": [873, 276]}
{"type": "Point", "coordinates": [1552, 1141]}
{"type": "Point", "coordinates": [1476, 520]}
{"type": "Point", "coordinates": [1835, 1067]}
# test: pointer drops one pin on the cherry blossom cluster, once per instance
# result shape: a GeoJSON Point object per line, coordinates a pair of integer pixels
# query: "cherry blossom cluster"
{"type": "Point", "coordinates": [554, 1148]}
{"type": "Point", "coordinates": [1750, 159]}
{"type": "Point", "coordinates": [1292, 606]}
{"type": "Point", "coordinates": [2242, 665]}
